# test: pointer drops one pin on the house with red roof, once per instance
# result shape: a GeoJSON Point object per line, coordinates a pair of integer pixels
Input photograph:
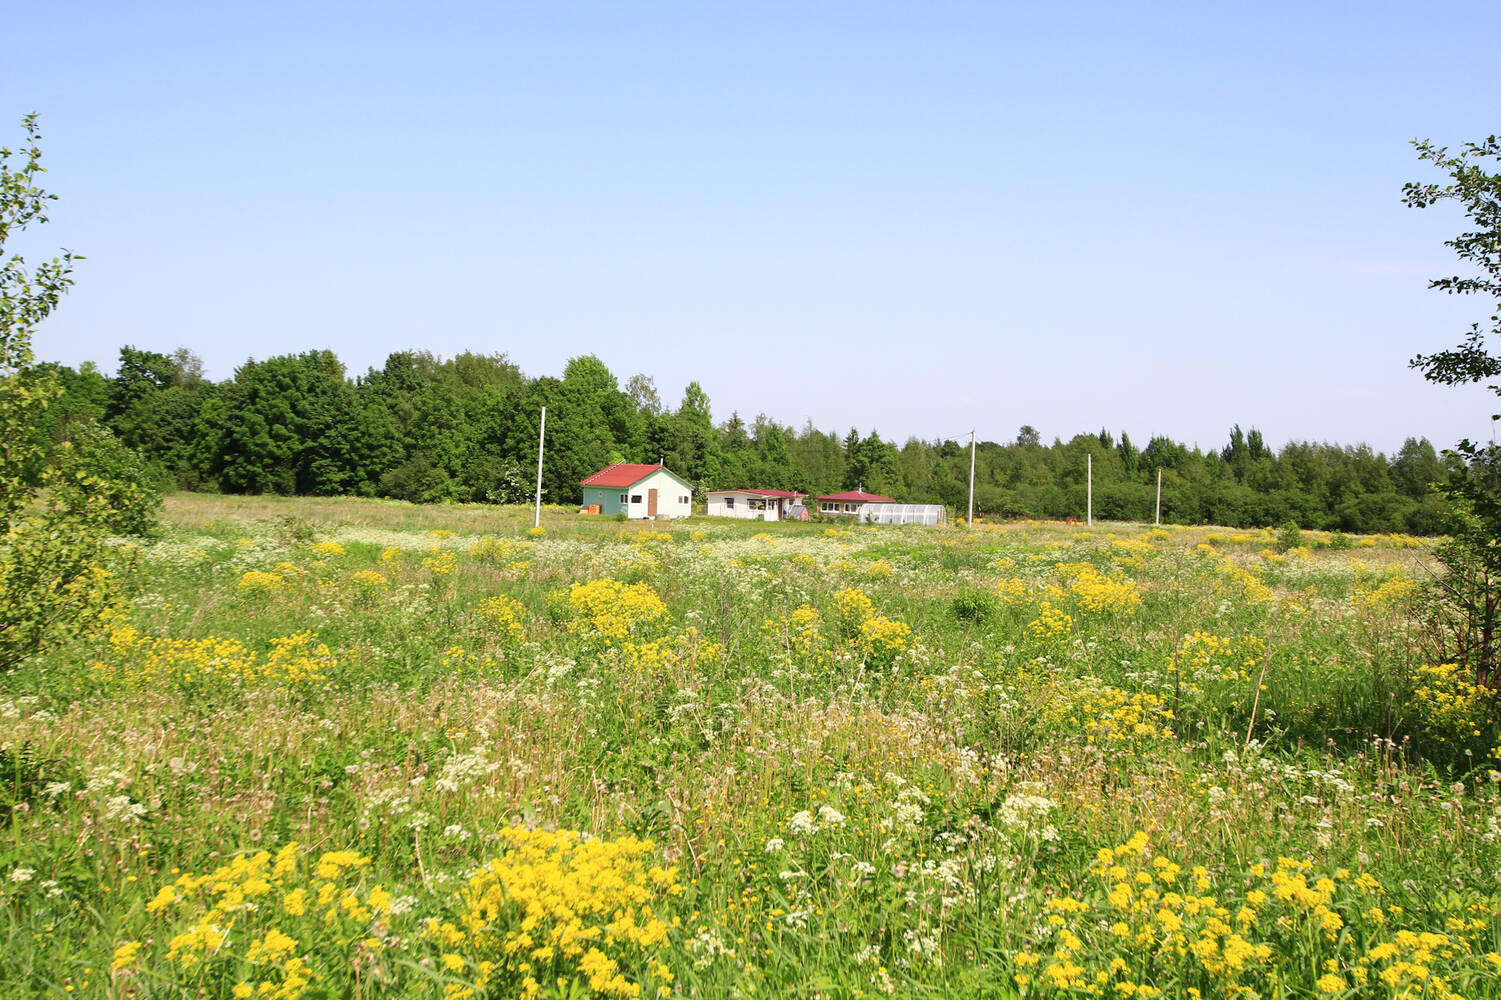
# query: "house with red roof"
{"type": "Point", "coordinates": [849, 503]}
{"type": "Point", "coordinates": [640, 491]}
{"type": "Point", "coordinates": [757, 505]}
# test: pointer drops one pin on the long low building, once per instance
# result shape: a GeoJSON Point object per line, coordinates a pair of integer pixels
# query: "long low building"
{"type": "Point", "coordinates": [757, 505]}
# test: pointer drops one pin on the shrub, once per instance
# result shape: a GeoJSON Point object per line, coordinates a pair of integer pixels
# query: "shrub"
{"type": "Point", "coordinates": [974, 607]}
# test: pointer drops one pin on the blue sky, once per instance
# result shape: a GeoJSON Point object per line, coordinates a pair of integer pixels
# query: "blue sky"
{"type": "Point", "coordinates": [917, 218]}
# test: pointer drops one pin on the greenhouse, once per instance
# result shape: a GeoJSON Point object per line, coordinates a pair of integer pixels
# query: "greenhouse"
{"type": "Point", "coordinates": [904, 513]}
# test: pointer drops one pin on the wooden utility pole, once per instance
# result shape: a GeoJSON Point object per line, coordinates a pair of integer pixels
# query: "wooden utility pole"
{"type": "Point", "coordinates": [971, 521]}
{"type": "Point", "coordinates": [541, 436]}
{"type": "Point", "coordinates": [1157, 520]}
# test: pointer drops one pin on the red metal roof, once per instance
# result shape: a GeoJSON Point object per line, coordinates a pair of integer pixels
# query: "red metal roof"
{"type": "Point", "coordinates": [620, 474]}
{"type": "Point", "coordinates": [855, 496]}
{"type": "Point", "coordinates": [764, 493]}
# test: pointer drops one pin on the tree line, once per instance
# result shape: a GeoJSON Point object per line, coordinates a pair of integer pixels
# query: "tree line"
{"type": "Point", "coordinates": [428, 429]}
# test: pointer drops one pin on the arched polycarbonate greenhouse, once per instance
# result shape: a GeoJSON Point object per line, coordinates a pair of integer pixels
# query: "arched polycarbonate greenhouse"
{"type": "Point", "coordinates": [904, 513]}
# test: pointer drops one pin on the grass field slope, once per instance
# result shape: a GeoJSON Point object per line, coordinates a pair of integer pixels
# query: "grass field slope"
{"type": "Point", "coordinates": [348, 748]}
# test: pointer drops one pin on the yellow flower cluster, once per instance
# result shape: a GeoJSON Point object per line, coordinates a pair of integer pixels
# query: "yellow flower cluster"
{"type": "Point", "coordinates": [1203, 656]}
{"type": "Point", "coordinates": [1146, 927]}
{"type": "Point", "coordinates": [883, 639]}
{"type": "Point", "coordinates": [1052, 624]}
{"type": "Point", "coordinates": [1097, 594]}
{"type": "Point", "coordinates": [799, 638]}
{"type": "Point", "coordinates": [1133, 552]}
{"type": "Point", "coordinates": [274, 926]}
{"type": "Point", "coordinates": [137, 660]}
{"type": "Point", "coordinates": [504, 616]}
{"type": "Point", "coordinates": [368, 579]}
{"type": "Point", "coordinates": [255, 581]}
{"type": "Point", "coordinates": [880, 569]}
{"type": "Point", "coordinates": [560, 904]}
{"type": "Point", "coordinates": [1390, 594]}
{"type": "Point", "coordinates": [442, 534]}
{"type": "Point", "coordinates": [685, 649]}
{"type": "Point", "coordinates": [329, 549]}
{"type": "Point", "coordinates": [1012, 590]}
{"type": "Point", "coordinates": [852, 608]}
{"type": "Point", "coordinates": [1107, 715]}
{"type": "Point", "coordinates": [606, 609]}
{"type": "Point", "coordinates": [439, 562]}
{"type": "Point", "coordinates": [1452, 709]}
{"type": "Point", "coordinates": [1251, 587]}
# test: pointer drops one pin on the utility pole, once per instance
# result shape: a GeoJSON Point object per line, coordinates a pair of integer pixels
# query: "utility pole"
{"type": "Point", "coordinates": [971, 521]}
{"type": "Point", "coordinates": [1089, 489]}
{"type": "Point", "coordinates": [541, 435]}
{"type": "Point", "coordinates": [1157, 521]}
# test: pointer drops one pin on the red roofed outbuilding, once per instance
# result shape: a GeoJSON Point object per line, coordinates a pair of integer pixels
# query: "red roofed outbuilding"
{"type": "Point", "coordinates": [640, 491]}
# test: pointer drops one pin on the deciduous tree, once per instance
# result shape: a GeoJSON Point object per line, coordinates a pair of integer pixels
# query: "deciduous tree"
{"type": "Point", "coordinates": [53, 584]}
{"type": "Point", "coordinates": [1471, 589]}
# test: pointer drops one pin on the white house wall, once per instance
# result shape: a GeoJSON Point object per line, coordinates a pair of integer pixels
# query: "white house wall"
{"type": "Point", "coordinates": [742, 508]}
{"type": "Point", "coordinates": [674, 500]}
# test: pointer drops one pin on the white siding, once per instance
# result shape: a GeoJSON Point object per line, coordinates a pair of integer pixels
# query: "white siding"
{"type": "Point", "coordinates": [674, 500]}
{"type": "Point", "coordinates": [742, 507]}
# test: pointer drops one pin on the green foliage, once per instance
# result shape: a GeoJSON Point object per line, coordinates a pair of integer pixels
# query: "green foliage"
{"type": "Point", "coordinates": [1469, 592]}
{"type": "Point", "coordinates": [1478, 193]}
{"type": "Point", "coordinates": [974, 607]}
{"type": "Point", "coordinates": [1467, 609]}
{"type": "Point", "coordinates": [126, 494]}
{"type": "Point", "coordinates": [1289, 537]}
{"type": "Point", "coordinates": [24, 777]}
{"type": "Point", "coordinates": [428, 430]}
{"type": "Point", "coordinates": [462, 430]}
{"type": "Point", "coordinates": [833, 789]}
{"type": "Point", "coordinates": [56, 515]}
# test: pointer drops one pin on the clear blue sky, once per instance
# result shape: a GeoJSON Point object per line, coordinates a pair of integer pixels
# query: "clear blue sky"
{"type": "Point", "coordinates": [917, 218]}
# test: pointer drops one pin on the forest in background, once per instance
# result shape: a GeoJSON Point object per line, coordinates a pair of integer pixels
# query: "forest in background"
{"type": "Point", "coordinates": [464, 429]}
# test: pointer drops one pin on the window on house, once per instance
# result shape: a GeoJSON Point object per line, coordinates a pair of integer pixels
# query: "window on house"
{"type": "Point", "coordinates": [756, 504]}
{"type": "Point", "coordinates": [682, 499]}
{"type": "Point", "coordinates": [729, 502]}
{"type": "Point", "coordinates": [622, 498]}
{"type": "Point", "coordinates": [828, 508]}
{"type": "Point", "coordinates": [635, 498]}
{"type": "Point", "coordinates": [849, 508]}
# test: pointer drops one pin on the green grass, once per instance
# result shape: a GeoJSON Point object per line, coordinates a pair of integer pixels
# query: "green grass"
{"type": "Point", "coordinates": [835, 810]}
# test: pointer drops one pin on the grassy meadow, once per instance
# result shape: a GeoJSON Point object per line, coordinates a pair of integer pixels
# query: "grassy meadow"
{"type": "Point", "coordinates": [344, 748]}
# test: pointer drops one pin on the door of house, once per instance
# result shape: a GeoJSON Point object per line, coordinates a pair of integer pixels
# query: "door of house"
{"type": "Point", "coordinates": [651, 503]}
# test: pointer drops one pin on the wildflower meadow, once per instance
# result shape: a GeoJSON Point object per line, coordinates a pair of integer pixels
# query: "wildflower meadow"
{"type": "Point", "coordinates": [358, 748]}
